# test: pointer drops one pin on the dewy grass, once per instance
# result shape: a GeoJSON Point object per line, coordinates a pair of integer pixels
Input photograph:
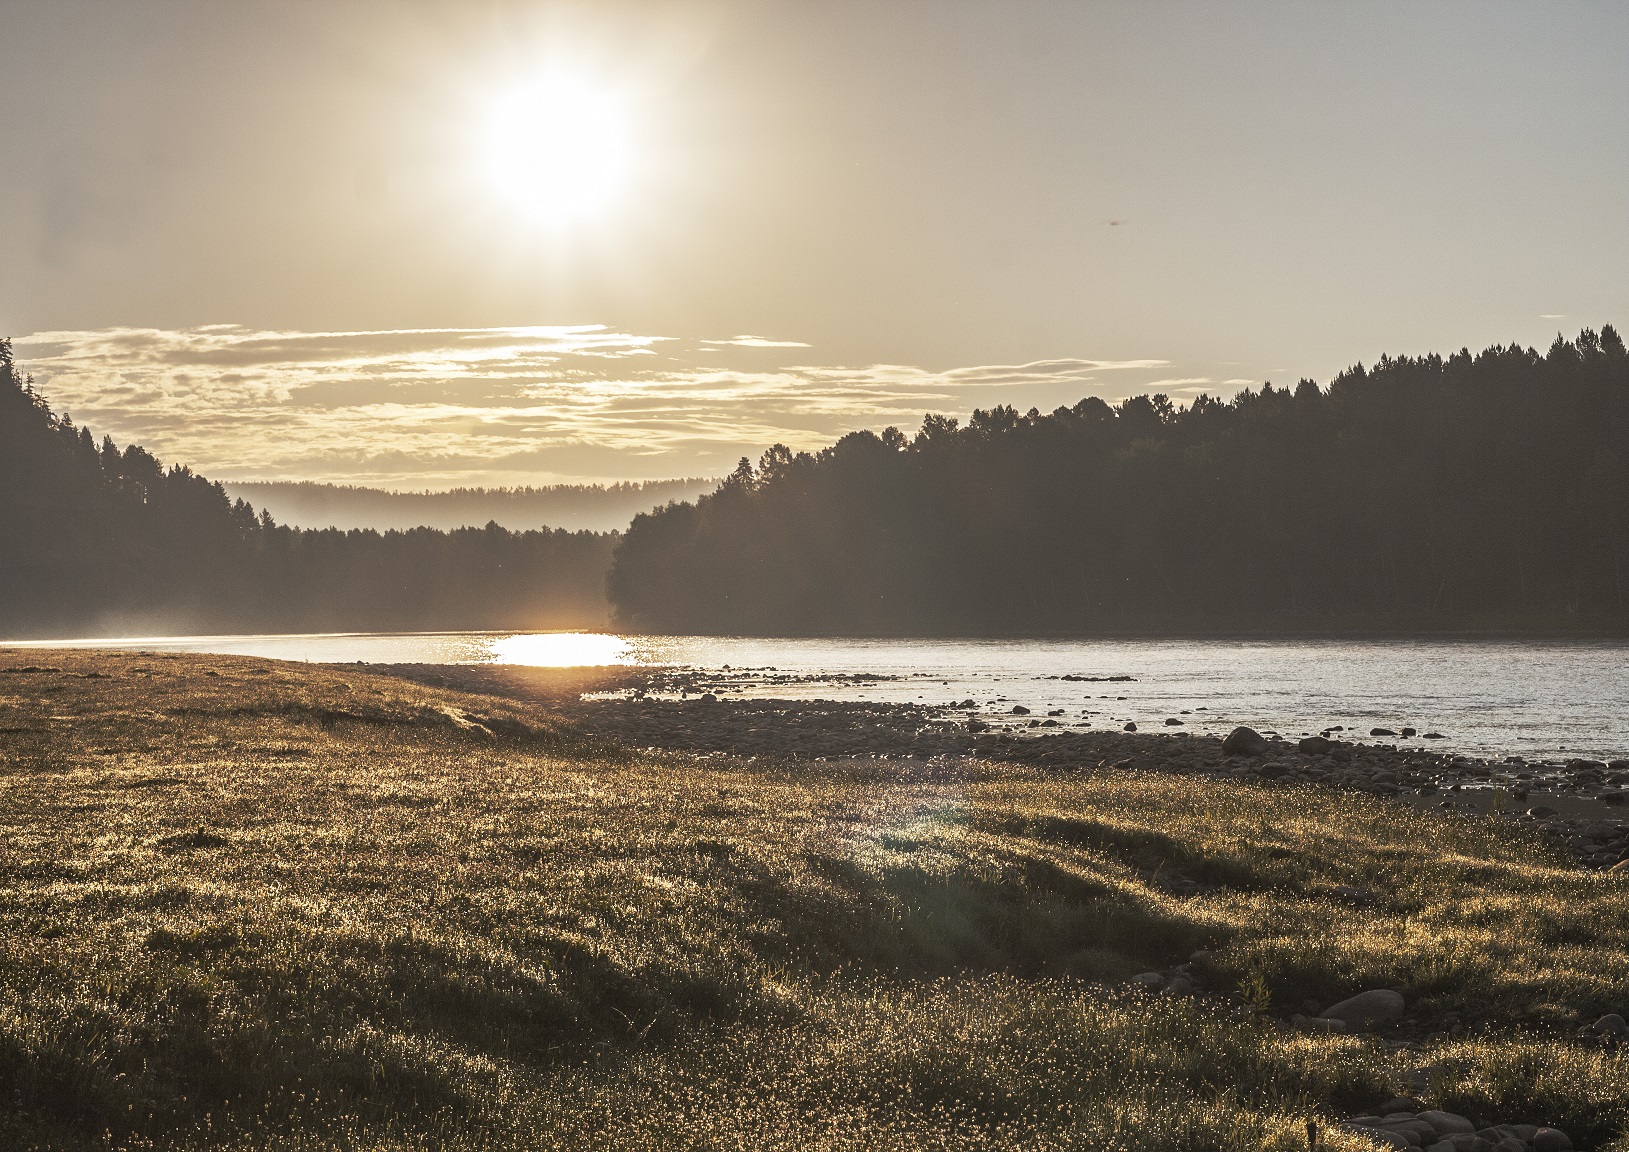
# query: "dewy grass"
{"type": "Point", "coordinates": [255, 905]}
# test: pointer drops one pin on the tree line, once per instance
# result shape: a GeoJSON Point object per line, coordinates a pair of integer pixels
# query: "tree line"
{"type": "Point", "coordinates": [95, 539]}
{"type": "Point", "coordinates": [1426, 493]}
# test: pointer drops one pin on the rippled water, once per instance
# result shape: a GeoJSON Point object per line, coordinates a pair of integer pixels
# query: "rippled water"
{"type": "Point", "coordinates": [1532, 699]}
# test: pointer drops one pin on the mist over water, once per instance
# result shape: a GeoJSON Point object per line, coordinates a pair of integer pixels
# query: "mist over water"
{"type": "Point", "coordinates": [1485, 697]}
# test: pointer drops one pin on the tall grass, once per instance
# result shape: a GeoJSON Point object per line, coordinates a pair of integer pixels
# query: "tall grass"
{"type": "Point", "coordinates": [252, 905]}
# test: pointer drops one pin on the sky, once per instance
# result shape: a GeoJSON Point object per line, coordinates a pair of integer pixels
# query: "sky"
{"type": "Point", "coordinates": [422, 245]}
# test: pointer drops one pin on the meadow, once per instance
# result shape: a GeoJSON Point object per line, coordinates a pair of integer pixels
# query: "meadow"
{"type": "Point", "coordinates": [247, 904]}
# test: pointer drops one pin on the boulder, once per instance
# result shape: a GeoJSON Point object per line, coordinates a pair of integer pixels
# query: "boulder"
{"type": "Point", "coordinates": [1314, 745]}
{"type": "Point", "coordinates": [1381, 732]}
{"type": "Point", "coordinates": [1399, 1104]}
{"type": "Point", "coordinates": [1131, 726]}
{"type": "Point", "coordinates": [1153, 981]}
{"type": "Point", "coordinates": [1447, 1123]}
{"type": "Point", "coordinates": [1609, 1025]}
{"type": "Point", "coordinates": [1367, 1008]}
{"type": "Point", "coordinates": [1551, 1140]}
{"type": "Point", "coordinates": [1244, 741]}
{"type": "Point", "coordinates": [1417, 1130]}
{"type": "Point", "coordinates": [1019, 710]}
{"type": "Point", "coordinates": [1173, 722]}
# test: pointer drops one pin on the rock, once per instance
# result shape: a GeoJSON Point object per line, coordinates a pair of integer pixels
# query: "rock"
{"type": "Point", "coordinates": [708, 698]}
{"type": "Point", "coordinates": [1181, 986]}
{"type": "Point", "coordinates": [1433, 736]}
{"type": "Point", "coordinates": [1381, 732]}
{"type": "Point", "coordinates": [1019, 710]}
{"type": "Point", "coordinates": [1400, 1104]}
{"type": "Point", "coordinates": [1618, 765]}
{"type": "Point", "coordinates": [1581, 765]}
{"type": "Point", "coordinates": [1131, 726]}
{"type": "Point", "coordinates": [1614, 797]}
{"type": "Point", "coordinates": [1609, 1025]}
{"type": "Point", "coordinates": [1395, 1139]}
{"type": "Point", "coordinates": [1509, 1144]}
{"type": "Point", "coordinates": [976, 725]}
{"type": "Point", "coordinates": [1540, 812]}
{"type": "Point", "coordinates": [1172, 722]}
{"type": "Point", "coordinates": [1244, 741]}
{"type": "Point", "coordinates": [1369, 1007]}
{"type": "Point", "coordinates": [1314, 745]}
{"type": "Point", "coordinates": [1409, 731]}
{"type": "Point", "coordinates": [1152, 981]}
{"type": "Point", "coordinates": [1551, 1140]}
{"type": "Point", "coordinates": [1417, 1131]}
{"type": "Point", "coordinates": [1447, 1123]}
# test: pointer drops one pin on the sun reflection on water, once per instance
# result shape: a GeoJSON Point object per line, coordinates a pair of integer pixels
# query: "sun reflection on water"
{"type": "Point", "coordinates": [562, 650]}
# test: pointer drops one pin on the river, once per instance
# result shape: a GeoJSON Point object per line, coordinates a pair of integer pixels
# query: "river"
{"type": "Point", "coordinates": [1535, 699]}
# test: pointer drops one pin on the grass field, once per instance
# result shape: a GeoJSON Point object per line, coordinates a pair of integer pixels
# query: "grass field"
{"type": "Point", "coordinates": [256, 905]}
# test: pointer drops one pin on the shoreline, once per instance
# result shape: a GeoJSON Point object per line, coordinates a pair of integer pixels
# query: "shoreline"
{"type": "Point", "coordinates": [1581, 805]}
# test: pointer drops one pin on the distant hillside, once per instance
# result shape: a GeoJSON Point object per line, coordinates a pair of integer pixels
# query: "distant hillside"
{"type": "Point", "coordinates": [101, 540]}
{"type": "Point", "coordinates": [579, 507]}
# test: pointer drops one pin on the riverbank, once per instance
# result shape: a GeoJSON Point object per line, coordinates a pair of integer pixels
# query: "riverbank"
{"type": "Point", "coordinates": [248, 904]}
{"type": "Point", "coordinates": [1581, 805]}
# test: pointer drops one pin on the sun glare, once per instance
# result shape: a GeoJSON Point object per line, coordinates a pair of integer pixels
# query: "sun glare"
{"type": "Point", "coordinates": [562, 650]}
{"type": "Point", "coordinates": [557, 149]}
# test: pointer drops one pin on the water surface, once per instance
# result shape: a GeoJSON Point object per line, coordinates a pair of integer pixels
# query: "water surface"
{"type": "Point", "coordinates": [1486, 697]}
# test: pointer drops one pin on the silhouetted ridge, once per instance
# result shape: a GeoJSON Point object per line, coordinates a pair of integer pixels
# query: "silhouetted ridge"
{"type": "Point", "coordinates": [97, 540]}
{"type": "Point", "coordinates": [1421, 493]}
{"type": "Point", "coordinates": [597, 507]}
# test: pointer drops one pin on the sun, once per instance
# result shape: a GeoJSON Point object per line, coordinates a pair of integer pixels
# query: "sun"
{"type": "Point", "coordinates": [557, 149]}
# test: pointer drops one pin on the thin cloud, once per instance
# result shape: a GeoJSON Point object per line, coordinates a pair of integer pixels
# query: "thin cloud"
{"type": "Point", "coordinates": [757, 342]}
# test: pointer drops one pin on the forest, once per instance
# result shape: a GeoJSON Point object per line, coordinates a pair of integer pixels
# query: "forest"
{"type": "Point", "coordinates": [98, 540]}
{"type": "Point", "coordinates": [1430, 493]}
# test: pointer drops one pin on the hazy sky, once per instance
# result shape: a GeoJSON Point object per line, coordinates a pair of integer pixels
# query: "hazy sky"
{"type": "Point", "coordinates": [372, 242]}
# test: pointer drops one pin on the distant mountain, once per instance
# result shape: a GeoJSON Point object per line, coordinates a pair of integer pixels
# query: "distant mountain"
{"type": "Point", "coordinates": [589, 507]}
